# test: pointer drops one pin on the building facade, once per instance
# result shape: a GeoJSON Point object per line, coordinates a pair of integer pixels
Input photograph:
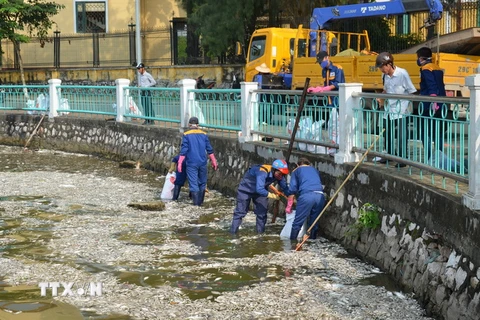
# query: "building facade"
{"type": "Point", "coordinates": [101, 33]}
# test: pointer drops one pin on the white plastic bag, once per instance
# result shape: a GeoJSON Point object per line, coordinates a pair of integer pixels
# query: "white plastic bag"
{"type": "Point", "coordinates": [43, 102]}
{"type": "Point", "coordinates": [309, 130]}
{"type": "Point", "coordinates": [287, 229]}
{"type": "Point", "coordinates": [64, 105]}
{"type": "Point", "coordinates": [133, 108]}
{"type": "Point", "coordinates": [304, 127]}
{"type": "Point", "coordinates": [333, 126]}
{"type": "Point", "coordinates": [167, 191]}
{"type": "Point", "coordinates": [197, 112]}
{"type": "Point", "coordinates": [31, 105]}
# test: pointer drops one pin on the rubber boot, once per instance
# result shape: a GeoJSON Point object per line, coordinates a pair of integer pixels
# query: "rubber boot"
{"type": "Point", "coordinates": [294, 234]}
{"type": "Point", "coordinates": [196, 198]}
{"type": "Point", "coordinates": [236, 222]}
{"type": "Point", "coordinates": [260, 226]}
{"type": "Point", "coordinates": [202, 197]}
{"type": "Point", "coordinates": [176, 192]}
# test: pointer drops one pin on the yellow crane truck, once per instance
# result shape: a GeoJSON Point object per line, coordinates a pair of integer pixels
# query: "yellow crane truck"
{"type": "Point", "coordinates": [290, 53]}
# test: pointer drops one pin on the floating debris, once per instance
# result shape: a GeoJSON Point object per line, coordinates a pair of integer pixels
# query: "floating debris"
{"type": "Point", "coordinates": [129, 164]}
{"type": "Point", "coordinates": [148, 206]}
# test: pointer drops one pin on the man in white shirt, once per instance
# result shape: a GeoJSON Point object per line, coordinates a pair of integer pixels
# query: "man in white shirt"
{"type": "Point", "coordinates": [395, 81]}
{"type": "Point", "coordinates": [146, 80]}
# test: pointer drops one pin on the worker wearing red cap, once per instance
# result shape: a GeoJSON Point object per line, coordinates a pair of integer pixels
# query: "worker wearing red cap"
{"type": "Point", "coordinates": [254, 187]}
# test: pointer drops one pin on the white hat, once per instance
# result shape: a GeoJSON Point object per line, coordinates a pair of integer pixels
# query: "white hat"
{"type": "Point", "coordinates": [263, 68]}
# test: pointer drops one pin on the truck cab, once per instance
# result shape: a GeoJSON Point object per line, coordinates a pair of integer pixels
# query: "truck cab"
{"type": "Point", "coordinates": [288, 53]}
{"type": "Point", "coordinates": [276, 48]}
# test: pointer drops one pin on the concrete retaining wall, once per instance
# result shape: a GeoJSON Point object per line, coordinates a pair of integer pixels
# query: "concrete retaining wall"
{"type": "Point", "coordinates": [428, 241]}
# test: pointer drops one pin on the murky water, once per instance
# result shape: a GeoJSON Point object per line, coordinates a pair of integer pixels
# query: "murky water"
{"type": "Point", "coordinates": [69, 212]}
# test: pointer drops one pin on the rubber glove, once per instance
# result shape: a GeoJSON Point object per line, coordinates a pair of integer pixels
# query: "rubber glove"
{"type": "Point", "coordinates": [180, 162]}
{"type": "Point", "coordinates": [172, 167]}
{"type": "Point", "coordinates": [214, 161]}
{"type": "Point", "coordinates": [288, 208]}
{"type": "Point", "coordinates": [315, 89]}
{"type": "Point", "coordinates": [434, 105]}
{"type": "Point", "coordinates": [273, 196]}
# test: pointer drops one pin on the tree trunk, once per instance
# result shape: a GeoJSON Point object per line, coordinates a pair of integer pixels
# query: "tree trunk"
{"type": "Point", "coordinates": [16, 45]}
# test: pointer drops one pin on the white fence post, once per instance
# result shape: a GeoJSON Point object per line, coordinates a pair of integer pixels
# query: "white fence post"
{"type": "Point", "coordinates": [54, 98]}
{"type": "Point", "coordinates": [249, 110]}
{"type": "Point", "coordinates": [121, 98]}
{"type": "Point", "coordinates": [346, 122]}
{"type": "Point", "coordinates": [185, 85]}
{"type": "Point", "coordinates": [472, 198]}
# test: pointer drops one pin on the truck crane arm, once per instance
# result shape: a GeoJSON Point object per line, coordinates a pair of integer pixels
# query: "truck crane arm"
{"type": "Point", "coordinates": [321, 16]}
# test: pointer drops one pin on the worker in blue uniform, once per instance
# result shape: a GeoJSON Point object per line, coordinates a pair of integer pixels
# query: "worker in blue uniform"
{"type": "Point", "coordinates": [306, 185]}
{"type": "Point", "coordinates": [180, 177]}
{"type": "Point", "coordinates": [431, 84]}
{"type": "Point", "coordinates": [332, 74]}
{"type": "Point", "coordinates": [195, 147]}
{"type": "Point", "coordinates": [254, 187]}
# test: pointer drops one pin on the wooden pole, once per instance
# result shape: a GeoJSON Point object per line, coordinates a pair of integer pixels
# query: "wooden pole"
{"type": "Point", "coordinates": [34, 132]}
{"type": "Point", "coordinates": [307, 235]}
{"type": "Point", "coordinates": [292, 139]}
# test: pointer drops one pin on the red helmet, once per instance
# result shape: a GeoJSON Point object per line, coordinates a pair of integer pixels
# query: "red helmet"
{"type": "Point", "coordinates": [280, 165]}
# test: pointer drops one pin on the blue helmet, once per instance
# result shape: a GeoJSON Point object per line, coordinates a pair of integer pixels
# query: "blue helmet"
{"type": "Point", "coordinates": [280, 165]}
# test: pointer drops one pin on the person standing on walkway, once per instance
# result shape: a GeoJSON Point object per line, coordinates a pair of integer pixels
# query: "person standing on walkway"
{"type": "Point", "coordinates": [195, 147]}
{"type": "Point", "coordinates": [333, 75]}
{"type": "Point", "coordinates": [254, 187]}
{"type": "Point", "coordinates": [396, 80]}
{"type": "Point", "coordinates": [306, 185]}
{"type": "Point", "coordinates": [431, 84]}
{"type": "Point", "coordinates": [180, 176]}
{"type": "Point", "coordinates": [145, 80]}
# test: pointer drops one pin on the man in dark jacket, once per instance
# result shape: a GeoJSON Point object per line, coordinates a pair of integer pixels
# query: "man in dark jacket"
{"type": "Point", "coordinates": [431, 84]}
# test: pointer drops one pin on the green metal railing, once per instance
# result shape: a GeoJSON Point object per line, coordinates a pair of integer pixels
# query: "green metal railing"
{"type": "Point", "coordinates": [31, 98]}
{"type": "Point", "coordinates": [275, 113]}
{"type": "Point", "coordinates": [156, 104]}
{"type": "Point", "coordinates": [273, 116]}
{"type": "Point", "coordinates": [87, 100]}
{"type": "Point", "coordinates": [433, 145]}
{"type": "Point", "coordinates": [218, 109]}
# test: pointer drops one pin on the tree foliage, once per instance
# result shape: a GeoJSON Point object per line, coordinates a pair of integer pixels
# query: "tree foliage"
{"type": "Point", "coordinates": [22, 19]}
{"type": "Point", "coordinates": [221, 23]}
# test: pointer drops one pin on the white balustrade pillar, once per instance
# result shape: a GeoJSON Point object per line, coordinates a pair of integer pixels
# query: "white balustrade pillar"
{"type": "Point", "coordinates": [249, 111]}
{"type": "Point", "coordinates": [346, 122]}
{"type": "Point", "coordinates": [121, 98]}
{"type": "Point", "coordinates": [185, 100]}
{"type": "Point", "coordinates": [472, 198]}
{"type": "Point", "coordinates": [54, 97]}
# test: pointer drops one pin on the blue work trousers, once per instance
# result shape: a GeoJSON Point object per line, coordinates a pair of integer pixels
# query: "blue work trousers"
{"type": "Point", "coordinates": [430, 130]}
{"type": "Point", "coordinates": [197, 177]}
{"type": "Point", "coordinates": [309, 206]}
{"type": "Point", "coordinates": [180, 178]}
{"type": "Point", "coordinates": [241, 209]}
